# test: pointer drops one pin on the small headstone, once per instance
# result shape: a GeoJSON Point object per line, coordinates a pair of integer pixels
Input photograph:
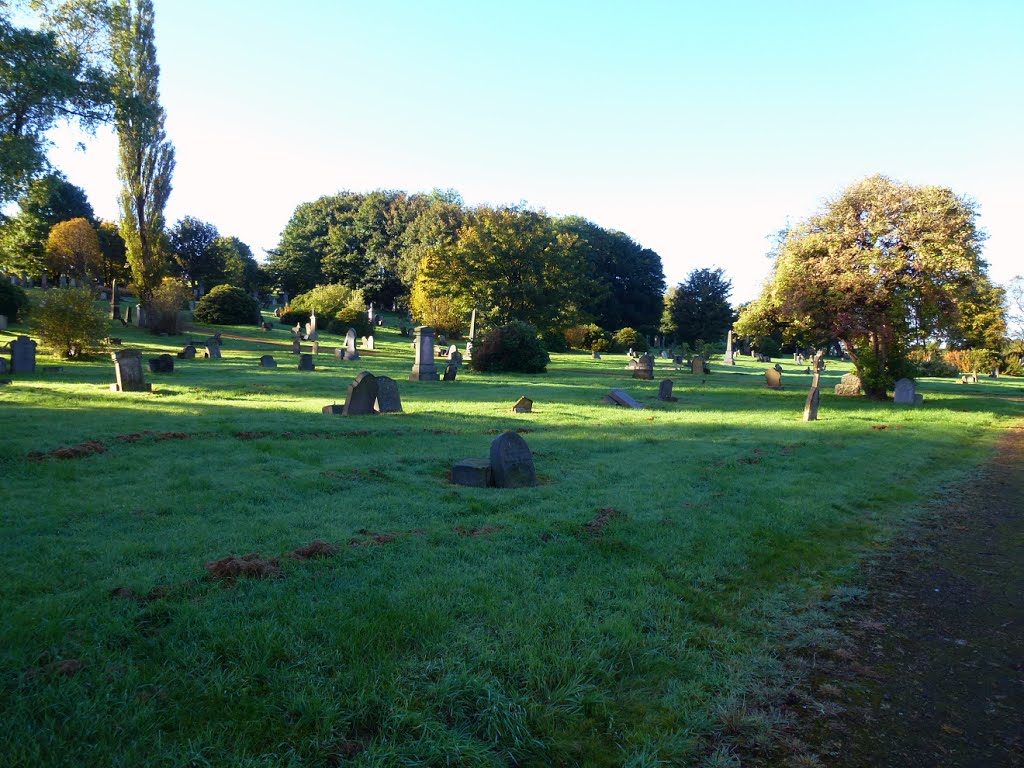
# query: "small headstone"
{"type": "Point", "coordinates": [161, 364]}
{"type": "Point", "coordinates": [523, 405]}
{"type": "Point", "coordinates": [314, 348]}
{"type": "Point", "coordinates": [334, 409]}
{"type": "Point", "coordinates": [512, 462]}
{"type": "Point", "coordinates": [361, 395]}
{"type": "Point", "coordinates": [267, 361]}
{"type": "Point", "coordinates": [187, 353]}
{"type": "Point", "coordinates": [697, 365]}
{"type": "Point", "coordinates": [296, 346]}
{"type": "Point", "coordinates": [455, 357]}
{"type": "Point", "coordinates": [663, 354]}
{"type": "Point", "coordinates": [450, 371]}
{"type": "Point", "coordinates": [813, 397]}
{"type": "Point", "coordinates": [128, 370]}
{"type": "Point", "coordinates": [665, 391]}
{"type": "Point", "coordinates": [595, 355]}
{"type": "Point", "coordinates": [380, 321]}
{"type": "Point", "coordinates": [452, 350]}
{"type": "Point", "coordinates": [267, 326]}
{"type": "Point", "coordinates": [23, 355]}
{"type": "Point", "coordinates": [368, 342]}
{"type": "Point", "coordinates": [906, 393]}
{"type": "Point", "coordinates": [306, 363]}
{"type": "Point", "coordinates": [350, 345]}
{"type": "Point", "coordinates": [140, 316]}
{"type": "Point", "coordinates": [212, 351]}
{"type": "Point", "coordinates": [474, 473]}
{"type": "Point", "coordinates": [388, 399]}
{"type": "Point", "coordinates": [4, 365]}
{"type": "Point", "coordinates": [773, 379]}
{"type": "Point", "coordinates": [777, 367]}
{"type": "Point", "coordinates": [423, 368]}
{"type": "Point", "coordinates": [618, 397]}
{"type": "Point", "coordinates": [848, 386]}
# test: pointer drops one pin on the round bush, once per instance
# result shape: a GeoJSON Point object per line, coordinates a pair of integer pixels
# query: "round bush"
{"type": "Point", "coordinates": [629, 338]}
{"type": "Point", "coordinates": [13, 301]}
{"type": "Point", "coordinates": [513, 347]}
{"type": "Point", "coordinates": [350, 317]}
{"type": "Point", "coordinates": [291, 315]}
{"type": "Point", "coordinates": [227, 305]}
{"type": "Point", "coordinates": [68, 320]}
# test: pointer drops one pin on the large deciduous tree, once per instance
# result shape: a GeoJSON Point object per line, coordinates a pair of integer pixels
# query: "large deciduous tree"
{"type": "Point", "coordinates": [883, 265]}
{"type": "Point", "coordinates": [194, 256]}
{"type": "Point", "coordinates": [73, 249]}
{"type": "Point", "coordinates": [146, 155]}
{"type": "Point", "coordinates": [698, 308]}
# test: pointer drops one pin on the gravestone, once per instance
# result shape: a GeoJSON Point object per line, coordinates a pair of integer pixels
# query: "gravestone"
{"type": "Point", "coordinates": [644, 367]}
{"type": "Point", "coordinates": [777, 367]}
{"type": "Point", "coordinates": [813, 397]}
{"type": "Point", "coordinates": [368, 342]}
{"type": "Point", "coordinates": [267, 361]}
{"type": "Point", "coordinates": [3, 322]}
{"type": "Point", "coordinates": [523, 405]}
{"type": "Point", "coordinates": [663, 354]}
{"type": "Point", "coordinates": [361, 395]}
{"type": "Point", "coordinates": [469, 350]}
{"type": "Point", "coordinates": [212, 351]}
{"type": "Point", "coordinates": [455, 357]}
{"type": "Point", "coordinates": [63, 282]}
{"type": "Point", "coordinates": [452, 350]}
{"type": "Point", "coordinates": [388, 399]}
{"type": "Point", "coordinates": [697, 365]}
{"type": "Point", "coordinates": [473, 473]}
{"type": "Point", "coordinates": [187, 353]}
{"type": "Point", "coordinates": [730, 359]}
{"type": "Point", "coordinates": [314, 348]}
{"type": "Point", "coordinates": [267, 326]}
{"type": "Point", "coordinates": [311, 333]}
{"type": "Point", "coordinates": [140, 316]}
{"type": "Point", "coordinates": [306, 363]}
{"type": "Point", "coordinates": [595, 355]}
{"type": "Point", "coordinates": [512, 462]}
{"type": "Point", "coordinates": [129, 315]}
{"type": "Point", "coordinates": [906, 393]}
{"type": "Point", "coordinates": [4, 365]}
{"type": "Point", "coordinates": [161, 364]}
{"type": "Point", "coordinates": [773, 379]}
{"type": "Point", "coordinates": [423, 368]}
{"type": "Point", "coordinates": [665, 391]}
{"type": "Point", "coordinates": [23, 355]}
{"type": "Point", "coordinates": [380, 322]}
{"type": "Point", "coordinates": [350, 345]}
{"type": "Point", "coordinates": [819, 361]}
{"type": "Point", "coordinates": [128, 370]}
{"type": "Point", "coordinates": [848, 386]}
{"type": "Point", "coordinates": [450, 371]}
{"type": "Point", "coordinates": [618, 397]}
{"type": "Point", "coordinates": [296, 346]}
{"type": "Point", "coordinates": [472, 325]}
{"type": "Point", "coordinates": [370, 314]}
{"type": "Point", "coordinates": [333, 410]}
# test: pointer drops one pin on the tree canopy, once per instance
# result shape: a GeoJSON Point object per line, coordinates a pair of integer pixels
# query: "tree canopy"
{"type": "Point", "coordinates": [698, 308]}
{"type": "Point", "coordinates": [883, 265]}
{"type": "Point", "coordinates": [73, 249]}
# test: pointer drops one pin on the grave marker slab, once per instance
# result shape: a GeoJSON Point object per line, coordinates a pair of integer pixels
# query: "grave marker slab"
{"type": "Point", "coordinates": [267, 361]}
{"type": "Point", "coordinates": [848, 386]}
{"type": "Point", "coordinates": [697, 366]}
{"type": "Point", "coordinates": [361, 395]}
{"type": "Point", "coordinates": [128, 370]}
{"type": "Point", "coordinates": [474, 473]}
{"type": "Point", "coordinates": [350, 345]}
{"type": "Point", "coordinates": [619, 397]}
{"type": "Point", "coordinates": [423, 368]}
{"type": "Point", "coordinates": [212, 351]}
{"type": "Point", "coordinates": [773, 379]}
{"type": "Point", "coordinates": [906, 393]}
{"type": "Point", "coordinates": [512, 462]}
{"type": "Point", "coordinates": [161, 364]}
{"type": "Point", "coordinates": [23, 355]}
{"type": "Point", "coordinates": [187, 353]}
{"type": "Point", "coordinates": [388, 399]}
{"type": "Point", "coordinates": [644, 367]}
{"type": "Point", "coordinates": [523, 405]}
{"type": "Point", "coordinates": [665, 391]}
{"type": "Point", "coordinates": [450, 372]}
{"type": "Point", "coordinates": [306, 363]}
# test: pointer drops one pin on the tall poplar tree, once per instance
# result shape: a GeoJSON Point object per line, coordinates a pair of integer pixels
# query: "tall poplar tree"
{"type": "Point", "coordinates": [146, 156]}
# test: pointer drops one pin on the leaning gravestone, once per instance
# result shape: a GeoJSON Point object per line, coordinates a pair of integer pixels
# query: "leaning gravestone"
{"type": "Point", "coordinates": [697, 366]}
{"type": "Point", "coordinates": [423, 368]}
{"type": "Point", "coordinates": [23, 355]}
{"type": "Point", "coordinates": [161, 364]}
{"type": "Point", "coordinates": [350, 345]}
{"type": "Point", "coordinates": [267, 361]}
{"type": "Point", "coordinates": [618, 397]}
{"type": "Point", "coordinates": [212, 351]}
{"type": "Point", "coordinates": [388, 399]}
{"type": "Point", "coordinates": [361, 396]}
{"type": "Point", "coordinates": [665, 391]}
{"type": "Point", "coordinates": [450, 372]}
{"type": "Point", "coordinates": [128, 370]}
{"type": "Point", "coordinates": [306, 363]}
{"type": "Point", "coordinates": [188, 353]}
{"type": "Point", "coordinates": [773, 379]}
{"type": "Point", "coordinates": [512, 462]}
{"type": "Point", "coordinates": [906, 393]}
{"type": "Point", "coordinates": [848, 386]}
{"type": "Point", "coordinates": [644, 367]}
{"type": "Point", "coordinates": [813, 397]}
{"type": "Point", "coordinates": [523, 405]}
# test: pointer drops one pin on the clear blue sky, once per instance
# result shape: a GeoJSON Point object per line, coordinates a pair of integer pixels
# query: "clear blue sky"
{"type": "Point", "coordinates": [698, 128]}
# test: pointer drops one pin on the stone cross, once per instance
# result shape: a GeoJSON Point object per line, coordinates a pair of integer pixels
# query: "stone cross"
{"type": "Point", "coordinates": [423, 368]}
{"type": "Point", "coordinates": [128, 370]}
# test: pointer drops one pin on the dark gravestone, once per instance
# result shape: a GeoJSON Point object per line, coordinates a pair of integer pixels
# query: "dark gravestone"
{"type": "Point", "coordinates": [475, 473]}
{"type": "Point", "coordinates": [3, 322]}
{"type": "Point", "coordinates": [334, 409]}
{"type": "Point", "coordinates": [512, 462]}
{"type": "Point", "coordinates": [3, 365]}
{"type": "Point", "coordinates": [161, 364]}
{"type": "Point", "coordinates": [665, 391]}
{"type": "Point", "coordinates": [128, 370]}
{"type": "Point", "coordinates": [267, 361]}
{"type": "Point", "coordinates": [523, 405]}
{"type": "Point", "coordinates": [773, 379]}
{"type": "Point", "coordinates": [187, 353]}
{"type": "Point", "coordinates": [296, 346]}
{"type": "Point", "coordinates": [212, 351]}
{"type": "Point", "coordinates": [455, 357]}
{"type": "Point", "coordinates": [450, 371]}
{"type": "Point", "coordinates": [23, 355]}
{"type": "Point", "coordinates": [777, 367]}
{"type": "Point", "coordinates": [423, 368]}
{"type": "Point", "coordinates": [905, 393]}
{"type": "Point", "coordinates": [388, 399]}
{"type": "Point", "coordinates": [267, 326]}
{"type": "Point", "coordinates": [362, 395]}
{"type": "Point", "coordinates": [618, 397]}
{"type": "Point", "coordinates": [644, 367]}
{"type": "Point", "coordinates": [306, 363]}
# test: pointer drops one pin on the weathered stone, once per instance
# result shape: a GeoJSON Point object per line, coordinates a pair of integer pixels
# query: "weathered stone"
{"type": "Point", "coordinates": [369, 342]}
{"type": "Point", "coordinates": [4, 365]}
{"type": "Point", "coordinates": [188, 352]}
{"type": "Point", "coordinates": [512, 462]}
{"type": "Point", "coordinates": [161, 364]}
{"type": "Point", "coordinates": [23, 355]}
{"type": "Point", "coordinates": [267, 361]}
{"type": "Point", "coordinates": [773, 379]}
{"type": "Point", "coordinates": [361, 396]}
{"type": "Point", "coordinates": [475, 473]}
{"type": "Point", "coordinates": [350, 345]}
{"type": "Point", "coordinates": [212, 351]}
{"type": "Point", "coordinates": [618, 397]}
{"type": "Point", "coordinates": [813, 397]}
{"type": "Point", "coordinates": [306, 363]}
{"type": "Point", "coordinates": [314, 348]}
{"type": "Point", "coordinates": [644, 367]}
{"type": "Point", "coordinates": [423, 368]}
{"type": "Point", "coordinates": [906, 393]}
{"type": "Point", "coordinates": [3, 322]}
{"type": "Point", "coordinates": [848, 386]}
{"type": "Point", "coordinates": [128, 370]}
{"type": "Point", "coordinates": [697, 366]}
{"type": "Point", "coordinates": [730, 359]}
{"type": "Point", "coordinates": [777, 367]}
{"type": "Point", "coordinates": [388, 399]}
{"type": "Point", "coordinates": [450, 372]}
{"type": "Point", "coordinates": [665, 391]}
{"type": "Point", "coordinates": [595, 355]}
{"type": "Point", "coordinates": [296, 346]}
{"type": "Point", "coordinates": [523, 405]}
{"type": "Point", "coordinates": [454, 356]}
{"type": "Point", "coordinates": [334, 409]}
{"type": "Point", "coordinates": [267, 326]}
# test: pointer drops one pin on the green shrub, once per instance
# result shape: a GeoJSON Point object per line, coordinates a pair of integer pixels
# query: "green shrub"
{"type": "Point", "coordinates": [350, 317]}
{"type": "Point", "coordinates": [68, 320]}
{"type": "Point", "coordinates": [513, 347]}
{"type": "Point", "coordinates": [227, 305]}
{"type": "Point", "coordinates": [554, 341]}
{"type": "Point", "coordinates": [290, 316]}
{"type": "Point", "coordinates": [163, 312]}
{"type": "Point", "coordinates": [584, 336]}
{"type": "Point", "coordinates": [629, 338]}
{"type": "Point", "coordinates": [328, 300]}
{"type": "Point", "coordinates": [14, 302]}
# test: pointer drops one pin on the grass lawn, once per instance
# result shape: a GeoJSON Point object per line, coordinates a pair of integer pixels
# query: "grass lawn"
{"type": "Point", "coordinates": [454, 626]}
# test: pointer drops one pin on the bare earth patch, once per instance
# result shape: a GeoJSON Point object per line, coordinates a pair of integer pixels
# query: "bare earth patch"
{"type": "Point", "coordinates": [250, 566]}
{"type": "Point", "coordinates": [314, 549]}
{"type": "Point", "coordinates": [601, 520]}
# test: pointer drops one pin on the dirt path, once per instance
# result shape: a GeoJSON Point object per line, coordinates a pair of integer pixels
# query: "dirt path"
{"type": "Point", "coordinates": [935, 675]}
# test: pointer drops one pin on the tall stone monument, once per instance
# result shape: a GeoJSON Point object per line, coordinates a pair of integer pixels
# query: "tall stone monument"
{"type": "Point", "coordinates": [729, 358]}
{"type": "Point", "coordinates": [423, 368]}
{"type": "Point", "coordinates": [115, 306]}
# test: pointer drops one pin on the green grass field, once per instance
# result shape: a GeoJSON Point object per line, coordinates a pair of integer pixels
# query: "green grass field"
{"type": "Point", "coordinates": [454, 626]}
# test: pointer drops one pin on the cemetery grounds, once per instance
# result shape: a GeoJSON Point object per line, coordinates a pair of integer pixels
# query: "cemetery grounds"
{"type": "Point", "coordinates": [642, 606]}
